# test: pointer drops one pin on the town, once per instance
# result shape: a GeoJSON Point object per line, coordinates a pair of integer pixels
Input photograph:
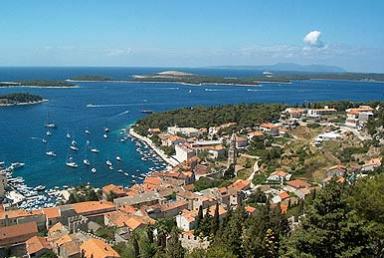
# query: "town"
{"type": "Point", "coordinates": [280, 160]}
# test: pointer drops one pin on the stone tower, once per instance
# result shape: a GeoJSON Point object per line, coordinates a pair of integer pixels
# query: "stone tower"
{"type": "Point", "coordinates": [232, 153]}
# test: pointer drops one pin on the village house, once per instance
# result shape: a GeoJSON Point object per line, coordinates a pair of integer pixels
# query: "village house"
{"type": "Point", "coordinates": [121, 219]}
{"type": "Point", "coordinates": [170, 140]}
{"type": "Point", "coordinates": [184, 152]}
{"type": "Point", "coordinates": [186, 219]}
{"type": "Point", "coordinates": [17, 234]}
{"type": "Point", "coordinates": [279, 177]}
{"type": "Point", "coordinates": [20, 216]}
{"type": "Point", "coordinates": [187, 196]}
{"type": "Point", "coordinates": [255, 134]}
{"type": "Point", "coordinates": [187, 131]}
{"type": "Point", "coordinates": [37, 246]}
{"type": "Point", "coordinates": [319, 112]}
{"type": "Point", "coordinates": [96, 248]}
{"type": "Point", "coordinates": [154, 131]}
{"type": "Point", "coordinates": [294, 113]}
{"type": "Point", "coordinates": [93, 208]}
{"type": "Point", "coordinates": [52, 216]}
{"type": "Point", "coordinates": [270, 129]}
{"type": "Point", "coordinates": [241, 142]}
{"type": "Point", "coordinates": [145, 198]}
{"type": "Point", "coordinates": [201, 171]}
{"type": "Point", "coordinates": [337, 170]}
{"type": "Point", "coordinates": [165, 210]}
{"type": "Point", "coordinates": [358, 117]}
{"type": "Point", "coordinates": [371, 165]}
{"type": "Point", "coordinates": [112, 190]}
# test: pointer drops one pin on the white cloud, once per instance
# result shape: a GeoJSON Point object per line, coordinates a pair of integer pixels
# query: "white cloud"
{"type": "Point", "coordinates": [312, 39]}
{"type": "Point", "coordinates": [118, 52]}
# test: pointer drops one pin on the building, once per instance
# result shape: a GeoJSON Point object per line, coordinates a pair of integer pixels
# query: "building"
{"type": "Point", "coordinates": [294, 113]}
{"type": "Point", "coordinates": [241, 142]}
{"type": "Point", "coordinates": [184, 152]}
{"type": "Point", "coordinates": [318, 112]}
{"type": "Point", "coordinates": [270, 129]}
{"type": "Point", "coordinates": [187, 131]}
{"type": "Point", "coordinates": [52, 216]}
{"type": "Point", "coordinates": [232, 152]}
{"type": "Point", "coordinates": [37, 246]}
{"type": "Point", "coordinates": [186, 219]}
{"type": "Point", "coordinates": [279, 177]}
{"type": "Point", "coordinates": [358, 117]}
{"type": "Point", "coordinates": [96, 248]}
{"type": "Point", "coordinates": [16, 234]}
{"type": "Point", "coordinates": [112, 190]}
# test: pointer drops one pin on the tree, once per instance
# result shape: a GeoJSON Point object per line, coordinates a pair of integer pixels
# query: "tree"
{"type": "Point", "coordinates": [136, 248]}
{"type": "Point", "coordinates": [215, 221]}
{"type": "Point", "coordinates": [174, 247]}
{"type": "Point", "coordinates": [198, 221]}
{"type": "Point", "coordinates": [206, 223]}
{"type": "Point", "coordinates": [270, 244]}
{"type": "Point", "coordinates": [329, 229]}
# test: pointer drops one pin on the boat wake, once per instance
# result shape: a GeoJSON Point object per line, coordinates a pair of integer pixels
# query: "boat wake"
{"type": "Point", "coordinates": [122, 113]}
{"type": "Point", "coordinates": [214, 90]}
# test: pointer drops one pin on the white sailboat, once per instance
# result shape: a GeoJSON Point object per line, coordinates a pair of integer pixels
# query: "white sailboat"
{"type": "Point", "coordinates": [50, 153]}
{"type": "Point", "coordinates": [94, 150]}
{"type": "Point", "coordinates": [70, 163]}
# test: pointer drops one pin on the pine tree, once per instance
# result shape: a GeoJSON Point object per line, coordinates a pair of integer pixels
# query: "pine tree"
{"type": "Point", "coordinates": [215, 221]}
{"type": "Point", "coordinates": [206, 223]}
{"type": "Point", "coordinates": [271, 248]}
{"type": "Point", "coordinates": [198, 221]}
{"type": "Point", "coordinates": [174, 248]}
{"type": "Point", "coordinates": [136, 248]}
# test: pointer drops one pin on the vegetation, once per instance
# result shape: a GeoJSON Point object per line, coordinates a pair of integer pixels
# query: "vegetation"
{"type": "Point", "coordinates": [19, 98]}
{"type": "Point", "coordinates": [38, 83]}
{"type": "Point", "coordinates": [91, 78]}
{"type": "Point", "coordinates": [209, 182]}
{"type": "Point", "coordinates": [82, 194]}
{"type": "Point", "coordinates": [244, 115]}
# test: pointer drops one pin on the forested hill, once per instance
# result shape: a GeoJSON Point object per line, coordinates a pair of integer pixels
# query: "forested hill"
{"type": "Point", "coordinates": [19, 98]}
{"type": "Point", "coordinates": [244, 115]}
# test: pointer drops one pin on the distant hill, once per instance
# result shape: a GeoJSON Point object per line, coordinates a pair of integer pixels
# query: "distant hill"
{"type": "Point", "coordinates": [290, 67]}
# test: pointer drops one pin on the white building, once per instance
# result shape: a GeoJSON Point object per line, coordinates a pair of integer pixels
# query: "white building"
{"type": "Point", "coordinates": [184, 152]}
{"type": "Point", "coordinates": [358, 117]}
{"type": "Point", "coordinates": [187, 131]}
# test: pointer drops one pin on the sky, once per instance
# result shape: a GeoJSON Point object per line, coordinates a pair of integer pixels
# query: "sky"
{"type": "Point", "coordinates": [349, 34]}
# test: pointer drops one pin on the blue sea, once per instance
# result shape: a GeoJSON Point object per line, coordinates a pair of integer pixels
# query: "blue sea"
{"type": "Point", "coordinates": [116, 105]}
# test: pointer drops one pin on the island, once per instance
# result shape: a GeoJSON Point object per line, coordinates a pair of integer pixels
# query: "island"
{"type": "Point", "coordinates": [15, 99]}
{"type": "Point", "coordinates": [92, 78]}
{"type": "Point", "coordinates": [259, 77]}
{"type": "Point", "coordinates": [39, 83]}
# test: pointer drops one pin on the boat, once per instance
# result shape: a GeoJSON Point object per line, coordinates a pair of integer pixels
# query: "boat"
{"type": "Point", "coordinates": [106, 129]}
{"type": "Point", "coordinates": [110, 167]}
{"type": "Point", "coordinates": [17, 165]}
{"type": "Point", "coordinates": [108, 162]}
{"type": "Point", "coordinates": [126, 174]}
{"type": "Point", "coordinates": [147, 111]}
{"type": "Point", "coordinates": [48, 133]}
{"type": "Point", "coordinates": [93, 170]}
{"type": "Point", "coordinates": [120, 171]}
{"type": "Point", "coordinates": [74, 148]}
{"type": "Point", "coordinates": [94, 150]}
{"type": "Point", "coordinates": [71, 164]}
{"type": "Point", "coordinates": [86, 162]}
{"type": "Point", "coordinates": [68, 136]}
{"type": "Point", "coordinates": [50, 125]}
{"type": "Point", "coordinates": [190, 91]}
{"type": "Point", "coordinates": [118, 158]}
{"type": "Point", "coordinates": [51, 153]}
{"type": "Point", "coordinates": [39, 188]}
{"type": "Point", "coordinates": [44, 140]}
{"type": "Point", "coordinates": [87, 132]}
{"type": "Point", "coordinates": [73, 142]}
{"type": "Point", "coordinates": [105, 136]}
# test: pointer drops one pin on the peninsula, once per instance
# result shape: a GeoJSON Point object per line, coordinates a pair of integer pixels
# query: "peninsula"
{"type": "Point", "coordinates": [15, 99]}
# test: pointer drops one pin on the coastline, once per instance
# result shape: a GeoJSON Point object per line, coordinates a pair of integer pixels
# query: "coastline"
{"type": "Point", "coordinates": [24, 104]}
{"type": "Point", "coordinates": [158, 151]}
{"type": "Point", "coordinates": [41, 87]}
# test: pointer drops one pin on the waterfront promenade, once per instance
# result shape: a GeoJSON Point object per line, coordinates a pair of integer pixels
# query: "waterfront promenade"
{"type": "Point", "coordinates": [158, 151]}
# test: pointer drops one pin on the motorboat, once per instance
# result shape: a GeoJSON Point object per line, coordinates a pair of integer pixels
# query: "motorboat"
{"type": "Point", "coordinates": [39, 188]}
{"type": "Point", "coordinates": [71, 164]}
{"type": "Point", "coordinates": [87, 132]}
{"type": "Point", "coordinates": [93, 170]}
{"type": "Point", "coordinates": [74, 148]}
{"type": "Point", "coordinates": [68, 136]}
{"type": "Point", "coordinates": [106, 129]}
{"type": "Point", "coordinates": [48, 133]}
{"type": "Point", "coordinates": [51, 153]}
{"type": "Point", "coordinates": [44, 140]}
{"type": "Point", "coordinates": [118, 158]}
{"type": "Point", "coordinates": [105, 136]}
{"type": "Point", "coordinates": [108, 162]}
{"type": "Point", "coordinates": [50, 125]}
{"type": "Point", "coordinates": [86, 162]}
{"type": "Point", "coordinates": [94, 150]}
